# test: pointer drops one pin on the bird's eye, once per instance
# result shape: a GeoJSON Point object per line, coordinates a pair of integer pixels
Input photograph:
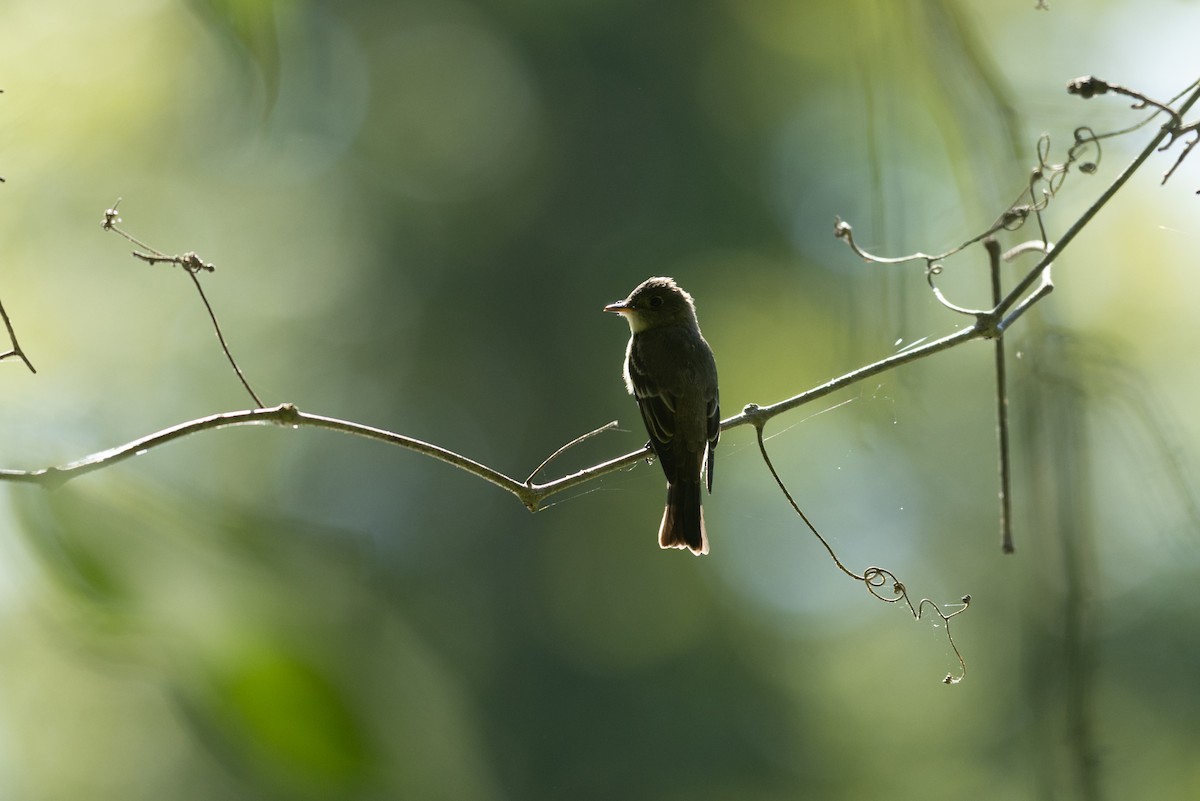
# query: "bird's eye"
{"type": "Point", "coordinates": [656, 301]}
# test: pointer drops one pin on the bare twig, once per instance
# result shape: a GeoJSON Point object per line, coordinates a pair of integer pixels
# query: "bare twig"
{"type": "Point", "coordinates": [192, 264]}
{"type": "Point", "coordinates": [12, 334]}
{"type": "Point", "coordinates": [1045, 181]}
{"type": "Point", "coordinates": [609, 426]}
{"type": "Point", "coordinates": [221, 337]}
{"type": "Point", "coordinates": [1194, 130]}
{"type": "Point", "coordinates": [753, 412]}
{"type": "Point", "coordinates": [1006, 535]}
{"type": "Point", "coordinates": [1089, 86]}
{"type": "Point", "coordinates": [873, 578]}
{"type": "Point", "coordinates": [1085, 219]}
{"type": "Point", "coordinates": [285, 414]}
{"type": "Point", "coordinates": [16, 346]}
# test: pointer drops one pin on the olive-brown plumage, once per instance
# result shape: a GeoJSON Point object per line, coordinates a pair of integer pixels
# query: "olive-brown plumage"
{"type": "Point", "coordinates": [670, 370]}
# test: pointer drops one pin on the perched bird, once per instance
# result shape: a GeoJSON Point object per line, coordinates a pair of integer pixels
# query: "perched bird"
{"type": "Point", "coordinates": [670, 370]}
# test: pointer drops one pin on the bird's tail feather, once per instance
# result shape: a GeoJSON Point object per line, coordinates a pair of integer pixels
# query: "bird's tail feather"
{"type": "Point", "coordinates": [683, 519]}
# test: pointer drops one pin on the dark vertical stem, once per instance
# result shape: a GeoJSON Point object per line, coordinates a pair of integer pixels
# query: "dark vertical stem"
{"type": "Point", "coordinates": [1006, 537]}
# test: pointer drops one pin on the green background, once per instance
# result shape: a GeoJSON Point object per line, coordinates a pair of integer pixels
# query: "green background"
{"type": "Point", "coordinates": [417, 211]}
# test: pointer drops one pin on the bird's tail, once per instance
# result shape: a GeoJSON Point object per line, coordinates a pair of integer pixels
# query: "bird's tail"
{"type": "Point", "coordinates": [683, 520]}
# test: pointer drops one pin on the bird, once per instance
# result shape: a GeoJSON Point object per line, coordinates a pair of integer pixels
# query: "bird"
{"type": "Point", "coordinates": [671, 372]}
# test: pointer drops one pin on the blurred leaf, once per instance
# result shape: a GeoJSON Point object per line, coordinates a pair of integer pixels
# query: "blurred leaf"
{"type": "Point", "coordinates": [280, 714]}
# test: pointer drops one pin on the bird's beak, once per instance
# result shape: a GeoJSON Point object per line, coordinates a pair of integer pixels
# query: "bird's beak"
{"type": "Point", "coordinates": [620, 307]}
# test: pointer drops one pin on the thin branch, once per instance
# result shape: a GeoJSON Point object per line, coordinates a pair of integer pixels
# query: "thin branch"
{"type": "Point", "coordinates": [221, 338]}
{"type": "Point", "coordinates": [873, 578]}
{"type": "Point", "coordinates": [1045, 181]}
{"type": "Point", "coordinates": [1002, 429]}
{"type": "Point", "coordinates": [609, 426]}
{"type": "Point", "coordinates": [1089, 86]}
{"type": "Point", "coordinates": [753, 412]}
{"type": "Point", "coordinates": [285, 414]}
{"type": "Point", "coordinates": [12, 334]}
{"type": "Point", "coordinates": [1194, 130]}
{"type": "Point", "coordinates": [192, 264]}
{"type": "Point", "coordinates": [1006, 535]}
{"type": "Point", "coordinates": [1086, 218]}
{"type": "Point", "coordinates": [16, 346]}
{"type": "Point", "coordinates": [843, 230]}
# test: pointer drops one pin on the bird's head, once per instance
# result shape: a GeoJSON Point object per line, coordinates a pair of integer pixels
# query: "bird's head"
{"type": "Point", "coordinates": [655, 302]}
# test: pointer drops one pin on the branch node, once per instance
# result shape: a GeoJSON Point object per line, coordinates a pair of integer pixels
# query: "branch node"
{"type": "Point", "coordinates": [192, 262]}
{"type": "Point", "coordinates": [287, 414]}
{"type": "Point", "coordinates": [754, 414]}
{"type": "Point", "coordinates": [1015, 217]}
{"type": "Point", "coordinates": [52, 478]}
{"type": "Point", "coordinates": [987, 323]}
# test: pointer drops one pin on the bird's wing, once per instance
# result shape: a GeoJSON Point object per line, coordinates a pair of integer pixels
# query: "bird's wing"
{"type": "Point", "coordinates": [658, 413]}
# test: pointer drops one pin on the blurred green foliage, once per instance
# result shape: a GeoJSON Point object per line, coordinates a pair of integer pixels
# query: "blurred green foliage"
{"type": "Point", "coordinates": [417, 210]}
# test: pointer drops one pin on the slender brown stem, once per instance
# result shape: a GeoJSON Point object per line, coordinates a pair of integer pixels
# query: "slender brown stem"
{"type": "Point", "coordinates": [1006, 535]}
{"type": "Point", "coordinates": [16, 346]}
{"type": "Point", "coordinates": [221, 338]}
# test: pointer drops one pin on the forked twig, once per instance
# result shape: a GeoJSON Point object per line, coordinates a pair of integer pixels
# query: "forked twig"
{"type": "Point", "coordinates": [16, 346]}
{"type": "Point", "coordinates": [192, 264]}
{"type": "Point", "coordinates": [609, 426]}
